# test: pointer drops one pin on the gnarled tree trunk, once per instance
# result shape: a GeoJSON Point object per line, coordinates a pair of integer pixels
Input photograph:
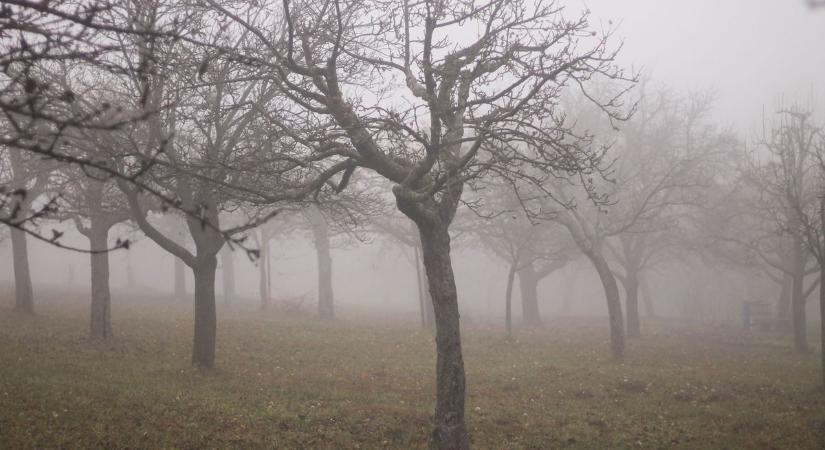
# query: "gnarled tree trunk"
{"type": "Point", "coordinates": [449, 428]}
{"type": "Point", "coordinates": [101, 315]}
{"type": "Point", "coordinates": [23, 292]}
{"type": "Point", "coordinates": [203, 348]}
{"type": "Point", "coordinates": [529, 284]}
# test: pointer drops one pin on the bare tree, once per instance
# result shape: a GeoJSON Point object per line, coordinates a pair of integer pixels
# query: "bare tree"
{"type": "Point", "coordinates": [797, 135]}
{"type": "Point", "coordinates": [531, 251]}
{"type": "Point", "coordinates": [27, 179]}
{"type": "Point", "coordinates": [95, 206]}
{"type": "Point", "coordinates": [462, 105]}
{"type": "Point", "coordinates": [782, 177]}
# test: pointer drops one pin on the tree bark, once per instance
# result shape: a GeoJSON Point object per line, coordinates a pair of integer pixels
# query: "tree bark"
{"type": "Point", "coordinates": [631, 290]}
{"type": "Point", "coordinates": [822, 321]}
{"type": "Point", "coordinates": [423, 291]}
{"type": "Point", "coordinates": [529, 284]}
{"type": "Point", "coordinates": [449, 430]}
{"type": "Point", "coordinates": [228, 274]}
{"type": "Point", "coordinates": [421, 299]}
{"type": "Point", "coordinates": [203, 349]}
{"type": "Point", "coordinates": [263, 274]}
{"type": "Point", "coordinates": [23, 292]}
{"type": "Point", "coordinates": [647, 299]}
{"type": "Point", "coordinates": [783, 307]}
{"type": "Point", "coordinates": [320, 234]}
{"type": "Point", "coordinates": [180, 278]}
{"type": "Point", "coordinates": [614, 305]}
{"type": "Point", "coordinates": [508, 301]}
{"type": "Point", "coordinates": [800, 332]}
{"type": "Point", "coordinates": [101, 316]}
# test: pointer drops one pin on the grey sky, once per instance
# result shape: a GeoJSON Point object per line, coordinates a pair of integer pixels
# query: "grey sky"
{"type": "Point", "coordinates": [748, 51]}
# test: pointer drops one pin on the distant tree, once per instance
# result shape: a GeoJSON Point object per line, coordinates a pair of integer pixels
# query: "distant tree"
{"type": "Point", "coordinates": [669, 156]}
{"type": "Point", "coordinates": [401, 232]}
{"type": "Point", "coordinates": [532, 251]}
{"type": "Point", "coordinates": [796, 134]}
{"type": "Point", "coordinates": [95, 206]}
{"type": "Point", "coordinates": [26, 179]}
{"type": "Point", "coordinates": [780, 171]}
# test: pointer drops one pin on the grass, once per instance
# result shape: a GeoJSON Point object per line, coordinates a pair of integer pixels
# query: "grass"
{"type": "Point", "coordinates": [302, 383]}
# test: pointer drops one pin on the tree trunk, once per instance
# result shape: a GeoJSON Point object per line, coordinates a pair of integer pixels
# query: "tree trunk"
{"type": "Point", "coordinates": [23, 292]}
{"type": "Point", "coordinates": [647, 299]}
{"type": "Point", "coordinates": [263, 274]}
{"type": "Point", "coordinates": [203, 348]}
{"type": "Point", "coordinates": [783, 307]}
{"type": "Point", "coordinates": [101, 316]}
{"type": "Point", "coordinates": [508, 301]}
{"type": "Point", "coordinates": [228, 274]}
{"type": "Point", "coordinates": [449, 430]}
{"type": "Point", "coordinates": [631, 290]}
{"type": "Point", "coordinates": [800, 333]}
{"type": "Point", "coordinates": [180, 278]}
{"type": "Point", "coordinates": [614, 305]}
{"type": "Point", "coordinates": [422, 307]}
{"type": "Point", "coordinates": [822, 320]}
{"type": "Point", "coordinates": [424, 292]}
{"type": "Point", "coordinates": [529, 284]}
{"type": "Point", "coordinates": [320, 234]}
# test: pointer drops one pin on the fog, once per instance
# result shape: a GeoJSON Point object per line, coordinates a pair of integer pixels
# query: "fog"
{"type": "Point", "coordinates": [382, 224]}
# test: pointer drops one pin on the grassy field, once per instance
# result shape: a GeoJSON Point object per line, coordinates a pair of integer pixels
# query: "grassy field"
{"type": "Point", "coordinates": [301, 383]}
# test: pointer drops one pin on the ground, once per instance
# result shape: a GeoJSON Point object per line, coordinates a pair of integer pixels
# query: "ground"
{"type": "Point", "coordinates": [297, 382]}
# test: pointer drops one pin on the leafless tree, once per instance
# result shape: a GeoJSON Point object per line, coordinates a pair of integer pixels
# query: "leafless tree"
{"type": "Point", "coordinates": [532, 251]}
{"type": "Point", "coordinates": [800, 143]}
{"type": "Point", "coordinates": [429, 111]}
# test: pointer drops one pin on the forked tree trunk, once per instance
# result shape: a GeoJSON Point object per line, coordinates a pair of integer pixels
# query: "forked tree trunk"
{"type": "Point", "coordinates": [614, 305]}
{"type": "Point", "coordinates": [631, 290]}
{"type": "Point", "coordinates": [101, 315]}
{"type": "Point", "coordinates": [320, 234]}
{"type": "Point", "coordinates": [180, 278]}
{"type": "Point", "coordinates": [449, 431]}
{"type": "Point", "coordinates": [508, 302]}
{"type": "Point", "coordinates": [800, 332]}
{"type": "Point", "coordinates": [203, 348]}
{"type": "Point", "coordinates": [23, 292]}
{"type": "Point", "coordinates": [228, 274]}
{"type": "Point", "coordinates": [529, 285]}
